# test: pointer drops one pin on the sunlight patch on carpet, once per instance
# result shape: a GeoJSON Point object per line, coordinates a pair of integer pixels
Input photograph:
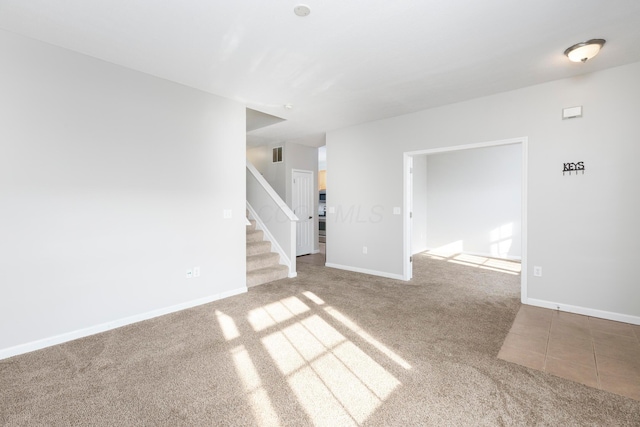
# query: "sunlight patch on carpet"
{"type": "Point", "coordinates": [227, 326]}
{"type": "Point", "coordinates": [319, 361]}
{"type": "Point", "coordinates": [368, 338]}
{"type": "Point", "coordinates": [313, 297]}
{"type": "Point", "coordinates": [258, 397]}
{"type": "Point", "coordinates": [277, 312]}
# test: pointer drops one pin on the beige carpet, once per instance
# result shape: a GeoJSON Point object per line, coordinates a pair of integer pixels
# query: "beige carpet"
{"type": "Point", "coordinates": [327, 348]}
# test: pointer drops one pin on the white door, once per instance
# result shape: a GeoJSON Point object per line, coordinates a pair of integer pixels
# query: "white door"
{"type": "Point", "coordinates": [303, 207]}
{"type": "Point", "coordinates": [409, 207]}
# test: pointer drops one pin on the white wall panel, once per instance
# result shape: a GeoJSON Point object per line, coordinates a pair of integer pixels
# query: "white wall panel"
{"type": "Point", "coordinates": [112, 184]}
{"type": "Point", "coordinates": [582, 229]}
{"type": "Point", "coordinates": [474, 197]}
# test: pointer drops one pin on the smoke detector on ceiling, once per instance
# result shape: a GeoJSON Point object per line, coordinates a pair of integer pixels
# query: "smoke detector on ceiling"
{"type": "Point", "coordinates": [302, 10]}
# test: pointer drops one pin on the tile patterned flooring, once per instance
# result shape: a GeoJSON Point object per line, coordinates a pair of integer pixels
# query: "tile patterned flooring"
{"type": "Point", "coordinates": [598, 353]}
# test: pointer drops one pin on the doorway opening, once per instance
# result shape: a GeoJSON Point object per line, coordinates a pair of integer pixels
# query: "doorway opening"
{"type": "Point", "coordinates": [501, 244]}
{"type": "Point", "coordinates": [322, 194]}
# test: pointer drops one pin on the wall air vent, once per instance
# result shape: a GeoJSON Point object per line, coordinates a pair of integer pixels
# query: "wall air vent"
{"type": "Point", "coordinates": [277, 154]}
{"type": "Point", "coordinates": [572, 112]}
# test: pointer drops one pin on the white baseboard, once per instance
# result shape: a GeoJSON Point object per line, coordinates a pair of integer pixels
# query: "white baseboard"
{"type": "Point", "coordinates": [103, 327]}
{"type": "Point", "coordinates": [483, 254]}
{"type": "Point", "coordinates": [230, 293]}
{"type": "Point", "coordinates": [618, 317]}
{"type": "Point", "coordinates": [365, 271]}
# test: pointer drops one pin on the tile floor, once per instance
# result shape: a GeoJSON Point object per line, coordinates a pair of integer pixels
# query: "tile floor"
{"type": "Point", "coordinates": [599, 353]}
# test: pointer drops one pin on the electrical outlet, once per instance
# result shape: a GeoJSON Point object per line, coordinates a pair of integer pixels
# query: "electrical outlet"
{"type": "Point", "coordinates": [227, 213]}
{"type": "Point", "coordinates": [364, 250]}
{"type": "Point", "coordinates": [537, 271]}
{"type": "Point", "coordinates": [189, 274]}
{"type": "Point", "coordinates": [196, 271]}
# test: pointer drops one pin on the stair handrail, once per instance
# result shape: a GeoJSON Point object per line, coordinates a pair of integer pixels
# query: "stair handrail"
{"type": "Point", "coordinates": [280, 227]}
{"type": "Point", "coordinates": [271, 192]}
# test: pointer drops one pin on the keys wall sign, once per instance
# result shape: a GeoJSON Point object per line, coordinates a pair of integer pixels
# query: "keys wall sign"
{"type": "Point", "coordinates": [573, 167]}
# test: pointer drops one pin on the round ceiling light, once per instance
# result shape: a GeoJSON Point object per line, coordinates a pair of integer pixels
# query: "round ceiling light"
{"type": "Point", "coordinates": [301, 10]}
{"type": "Point", "coordinates": [584, 51]}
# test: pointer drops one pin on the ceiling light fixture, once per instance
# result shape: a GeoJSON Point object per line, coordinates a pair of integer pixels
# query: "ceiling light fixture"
{"type": "Point", "coordinates": [584, 51]}
{"type": "Point", "coordinates": [302, 10]}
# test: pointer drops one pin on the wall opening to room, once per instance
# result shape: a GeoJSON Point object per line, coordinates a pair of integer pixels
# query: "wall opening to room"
{"type": "Point", "coordinates": [466, 205]}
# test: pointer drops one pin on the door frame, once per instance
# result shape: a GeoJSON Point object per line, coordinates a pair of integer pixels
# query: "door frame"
{"type": "Point", "coordinates": [314, 208]}
{"type": "Point", "coordinates": [407, 270]}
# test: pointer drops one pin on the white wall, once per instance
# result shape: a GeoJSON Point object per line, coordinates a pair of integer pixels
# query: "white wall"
{"type": "Point", "coordinates": [582, 229]}
{"type": "Point", "coordinates": [419, 224]}
{"type": "Point", "coordinates": [474, 197]}
{"type": "Point", "coordinates": [260, 157]}
{"type": "Point", "coordinates": [276, 173]}
{"type": "Point", "coordinates": [112, 184]}
{"type": "Point", "coordinates": [279, 176]}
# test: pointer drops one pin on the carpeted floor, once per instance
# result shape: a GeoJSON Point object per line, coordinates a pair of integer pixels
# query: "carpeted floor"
{"type": "Point", "coordinates": [327, 348]}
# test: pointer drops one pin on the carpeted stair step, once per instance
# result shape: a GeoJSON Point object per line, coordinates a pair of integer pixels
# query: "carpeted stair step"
{"type": "Point", "coordinates": [255, 236]}
{"type": "Point", "coordinates": [263, 266]}
{"type": "Point", "coordinates": [265, 275]}
{"type": "Point", "coordinates": [255, 248]}
{"type": "Point", "coordinates": [256, 262]}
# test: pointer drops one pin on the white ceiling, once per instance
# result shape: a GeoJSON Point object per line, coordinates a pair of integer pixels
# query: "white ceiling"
{"type": "Point", "coordinates": [349, 61]}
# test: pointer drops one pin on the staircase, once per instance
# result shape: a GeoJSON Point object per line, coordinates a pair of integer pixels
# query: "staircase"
{"type": "Point", "coordinates": [263, 266]}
